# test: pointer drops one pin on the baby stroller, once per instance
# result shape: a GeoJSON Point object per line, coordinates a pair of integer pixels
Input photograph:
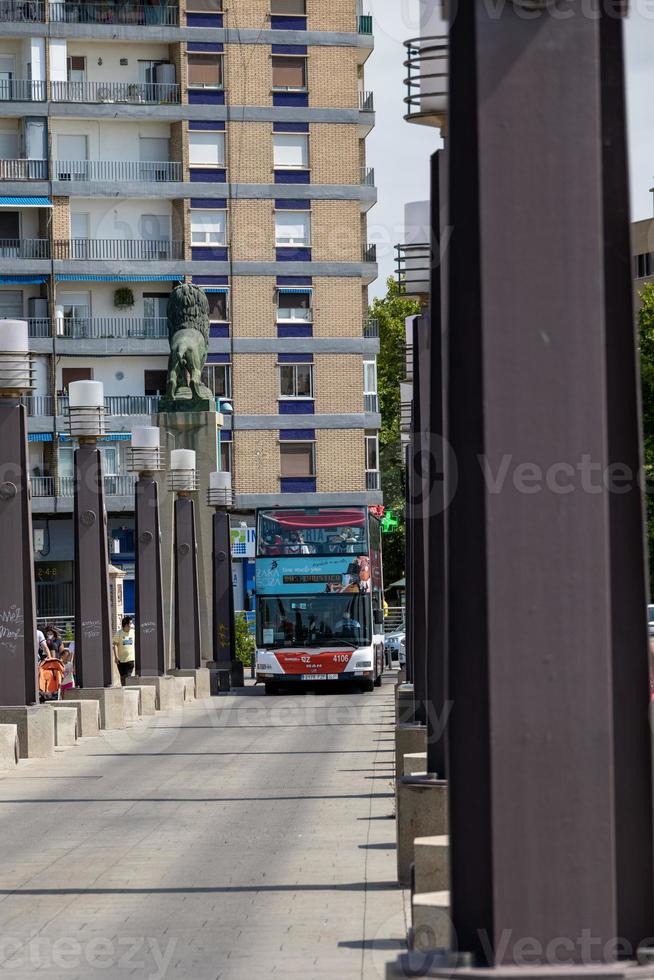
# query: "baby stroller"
{"type": "Point", "coordinates": [51, 671]}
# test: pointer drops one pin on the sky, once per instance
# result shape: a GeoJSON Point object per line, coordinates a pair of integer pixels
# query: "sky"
{"type": "Point", "coordinates": [399, 151]}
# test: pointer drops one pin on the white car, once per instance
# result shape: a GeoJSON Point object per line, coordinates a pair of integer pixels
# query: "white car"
{"type": "Point", "coordinates": [394, 643]}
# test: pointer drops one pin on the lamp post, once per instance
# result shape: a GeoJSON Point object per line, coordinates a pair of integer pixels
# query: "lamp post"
{"type": "Point", "coordinates": [17, 605]}
{"type": "Point", "coordinates": [182, 480]}
{"type": "Point", "coordinates": [224, 637]}
{"type": "Point", "coordinates": [86, 421]}
{"type": "Point", "coordinates": [145, 460]}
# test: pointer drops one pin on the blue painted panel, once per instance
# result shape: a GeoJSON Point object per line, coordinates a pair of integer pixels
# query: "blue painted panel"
{"type": "Point", "coordinates": [206, 96]}
{"type": "Point", "coordinates": [294, 330]}
{"type": "Point", "coordinates": [295, 434]}
{"type": "Point", "coordinates": [295, 358]}
{"type": "Point", "coordinates": [290, 127]}
{"type": "Point", "coordinates": [275, 575]}
{"type": "Point", "coordinates": [204, 20]}
{"type": "Point", "coordinates": [208, 175]}
{"type": "Point", "coordinates": [205, 124]}
{"type": "Point", "coordinates": [204, 254]}
{"type": "Point", "coordinates": [293, 254]}
{"type": "Point", "coordinates": [296, 99]}
{"type": "Point", "coordinates": [289, 49]}
{"type": "Point", "coordinates": [205, 47]}
{"type": "Point", "coordinates": [219, 330]}
{"type": "Point", "coordinates": [297, 407]}
{"type": "Point", "coordinates": [279, 23]}
{"type": "Point", "coordinates": [294, 484]}
{"type": "Point", "coordinates": [292, 177]}
{"type": "Point", "coordinates": [215, 203]}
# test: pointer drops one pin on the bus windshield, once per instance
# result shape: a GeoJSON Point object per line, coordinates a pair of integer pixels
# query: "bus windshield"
{"type": "Point", "coordinates": [313, 531]}
{"type": "Point", "coordinates": [314, 620]}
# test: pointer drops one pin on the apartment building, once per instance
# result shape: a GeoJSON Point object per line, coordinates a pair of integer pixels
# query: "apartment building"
{"type": "Point", "coordinates": [215, 141]}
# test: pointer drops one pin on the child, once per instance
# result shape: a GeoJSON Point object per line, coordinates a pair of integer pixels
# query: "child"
{"type": "Point", "coordinates": [68, 660]}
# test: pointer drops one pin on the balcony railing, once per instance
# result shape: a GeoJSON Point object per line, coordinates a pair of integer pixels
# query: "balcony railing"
{"type": "Point", "coordinates": [368, 176]}
{"type": "Point", "coordinates": [134, 93]}
{"type": "Point", "coordinates": [116, 170]}
{"type": "Point", "coordinates": [43, 486]}
{"type": "Point", "coordinates": [118, 485]}
{"type": "Point", "coordinates": [30, 11]}
{"type": "Point", "coordinates": [373, 480]}
{"type": "Point", "coordinates": [427, 80]}
{"type": "Point", "coordinates": [366, 101]}
{"type": "Point", "coordinates": [107, 327]}
{"type": "Point", "coordinates": [413, 268]}
{"type": "Point", "coordinates": [118, 405]}
{"type": "Point", "coordinates": [39, 327]}
{"type": "Point", "coordinates": [130, 249]}
{"type": "Point", "coordinates": [369, 253]}
{"type": "Point", "coordinates": [22, 90]}
{"type": "Point", "coordinates": [138, 14]}
{"type": "Point", "coordinates": [23, 169]}
{"type": "Point", "coordinates": [371, 403]}
{"type": "Point", "coordinates": [365, 23]}
{"type": "Point", "coordinates": [24, 248]}
{"type": "Point", "coordinates": [371, 328]}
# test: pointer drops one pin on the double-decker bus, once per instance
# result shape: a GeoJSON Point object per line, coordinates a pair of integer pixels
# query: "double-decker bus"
{"type": "Point", "coordinates": [319, 595]}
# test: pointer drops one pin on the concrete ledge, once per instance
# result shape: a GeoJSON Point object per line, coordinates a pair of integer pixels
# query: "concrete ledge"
{"type": "Point", "coordinates": [8, 746]}
{"type": "Point", "coordinates": [132, 704]}
{"type": "Point", "coordinates": [185, 687]}
{"type": "Point", "coordinates": [166, 690]}
{"type": "Point", "coordinates": [147, 698]}
{"type": "Point", "coordinates": [65, 724]}
{"type": "Point", "coordinates": [421, 812]}
{"type": "Point", "coordinates": [201, 680]}
{"type": "Point", "coordinates": [405, 712]}
{"type": "Point", "coordinates": [35, 728]}
{"type": "Point", "coordinates": [415, 764]}
{"type": "Point", "coordinates": [111, 702]}
{"type": "Point", "coordinates": [88, 716]}
{"type": "Point", "coordinates": [408, 739]}
{"type": "Point", "coordinates": [431, 864]}
{"type": "Point", "coordinates": [431, 923]}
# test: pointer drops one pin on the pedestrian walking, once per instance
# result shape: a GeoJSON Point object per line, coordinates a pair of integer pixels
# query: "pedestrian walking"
{"type": "Point", "coordinates": [41, 647]}
{"type": "Point", "coordinates": [53, 639]}
{"type": "Point", "coordinates": [125, 649]}
{"type": "Point", "coordinates": [67, 658]}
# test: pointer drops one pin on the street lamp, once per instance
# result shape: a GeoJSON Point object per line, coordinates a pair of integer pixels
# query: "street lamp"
{"type": "Point", "coordinates": [18, 636]}
{"type": "Point", "coordinates": [144, 459]}
{"type": "Point", "coordinates": [182, 480]}
{"type": "Point", "coordinates": [219, 496]}
{"type": "Point", "coordinates": [86, 421]}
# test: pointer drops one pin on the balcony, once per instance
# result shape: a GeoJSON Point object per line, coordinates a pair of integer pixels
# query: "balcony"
{"type": "Point", "coordinates": [368, 176]}
{"type": "Point", "coordinates": [115, 170]}
{"type": "Point", "coordinates": [366, 102]}
{"type": "Point", "coordinates": [426, 80]}
{"type": "Point", "coordinates": [22, 11]}
{"type": "Point", "coordinates": [22, 90]}
{"type": "Point", "coordinates": [371, 403]}
{"type": "Point", "coordinates": [373, 480]}
{"type": "Point", "coordinates": [406, 405]}
{"type": "Point", "coordinates": [413, 269]}
{"type": "Point", "coordinates": [108, 327]}
{"type": "Point", "coordinates": [39, 328]}
{"type": "Point", "coordinates": [117, 485]}
{"type": "Point", "coordinates": [23, 169]}
{"type": "Point", "coordinates": [131, 14]}
{"type": "Point", "coordinates": [24, 248]}
{"type": "Point", "coordinates": [369, 253]}
{"type": "Point", "coordinates": [364, 23]}
{"type": "Point", "coordinates": [371, 328]}
{"type": "Point", "coordinates": [116, 405]}
{"type": "Point", "coordinates": [132, 93]}
{"type": "Point", "coordinates": [129, 249]}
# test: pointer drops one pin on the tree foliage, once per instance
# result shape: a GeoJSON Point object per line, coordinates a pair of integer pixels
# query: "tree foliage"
{"type": "Point", "coordinates": [646, 340]}
{"type": "Point", "coordinates": [391, 312]}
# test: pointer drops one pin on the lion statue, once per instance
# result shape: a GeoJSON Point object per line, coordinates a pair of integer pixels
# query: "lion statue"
{"type": "Point", "coordinates": [188, 335]}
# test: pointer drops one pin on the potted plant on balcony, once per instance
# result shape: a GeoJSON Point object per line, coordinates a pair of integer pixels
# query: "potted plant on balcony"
{"type": "Point", "coordinates": [123, 298]}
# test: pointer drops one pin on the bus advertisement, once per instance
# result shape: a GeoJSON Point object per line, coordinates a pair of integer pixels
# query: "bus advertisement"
{"type": "Point", "coordinates": [319, 596]}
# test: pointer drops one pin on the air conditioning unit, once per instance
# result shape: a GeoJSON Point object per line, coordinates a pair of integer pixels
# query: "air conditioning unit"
{"type": "Point", "coordinates": [37, 308]}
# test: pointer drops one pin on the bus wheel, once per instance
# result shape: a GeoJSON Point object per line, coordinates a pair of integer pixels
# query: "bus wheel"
{"type": "Point", "coordinates": [367, 686]}
{"type": "Point", "coordinates": [271, 688]}
{"type": "Point", "coordinates": [378, 680]}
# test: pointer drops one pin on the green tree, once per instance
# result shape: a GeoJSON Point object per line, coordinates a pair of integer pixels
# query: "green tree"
{"type": "Point", "coordinates": [646, 340]}
{"type": "Point", "coordinates": [391, 312]}
{"type": "Point", "coordinates": [244, 640]}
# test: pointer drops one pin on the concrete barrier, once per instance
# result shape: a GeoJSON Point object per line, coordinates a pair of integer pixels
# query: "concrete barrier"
{"type": "Point", "coordinates": [421, 812]}
{"type": "Point", "coordinates": [167, 696]}
{"type": "Point", "coordinates": [88, 715]}
{"type": "Point", "coordinates": [431, 924]}
{"type": "Point", "coordinates": [35, 727]}
{"type": "Point", "coordinates": [415, 764]}
{"type": "Point", "coordinates": [147, 698]}
{"type": "Point", "coordinates": [408, 739]}
{"type": "Point", "coordinates": [65, 724]}
{"type": "Point", "coordinates": [431, 864]}
{"type": "Point", "coordinates": [201, 681]}
{"type": "Point", "coordinates": [111, 701]}
{"type": "Point", "coordinates": [132, 701]}
{"type": "Point", "coordinates": [8, 746]}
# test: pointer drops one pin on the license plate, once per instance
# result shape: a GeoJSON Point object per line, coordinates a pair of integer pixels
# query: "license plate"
{"type": "Point", "coordinates": [319, 677]}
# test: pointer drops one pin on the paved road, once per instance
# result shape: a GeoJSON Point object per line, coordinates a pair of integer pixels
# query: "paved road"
{"type": "Point", "coordinates": [241, 837]}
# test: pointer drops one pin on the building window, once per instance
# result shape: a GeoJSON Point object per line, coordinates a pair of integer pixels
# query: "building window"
{"type": "Point", "coordinates": [296, 380]}
{"type": "Point", "coordinates": [291, 151]}
{"type": "Point", "coordinates": [225, 456]}
{"type": "Point", "coordinates": [204, 6]}
{"type": "Point", "coordinates": [76, 68]}
{"type": "Point", "coordinates": [372, 453]}
{"type": "Point", "coordinates": [205, 70]}
{"type": "Point", "coordinates": [75, 374]}
{"type": "Point", "coordinates": [643, 265]}
{"type": "Point", "coordinates": [208, 227]}
{"type": "Point", "coordinates": [206, 149]}
{"type": "Point", "coordinates": [218, 379]}
{"type": "Point", "coordinates": [370, 377]}
{"type": "Point", "coordinates": [294, 306]}
{"type": "Point", "coordinates": [292, 7]}
{"type": "Point", "coordinates": [293, 228]}
{"type": "Point", "coordinates": [289, 72]}
{"type": "Point", "coordinates": [297, 459]}
{"type": "Point", "coordinates": [155, 382]}
{"type": "Point", "coordinates": [218, 307]}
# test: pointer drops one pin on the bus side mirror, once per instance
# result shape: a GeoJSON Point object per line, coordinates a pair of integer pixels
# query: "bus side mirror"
{"type": "Point", "coordinates": [378, 617]}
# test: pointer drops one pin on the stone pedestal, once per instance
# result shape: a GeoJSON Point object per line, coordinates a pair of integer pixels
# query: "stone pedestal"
{"type": "Point", "coordinates": [185, 687]}
{"type": "Point", "coordinates": [415, 764]}
{"type": "Point", "coordinates": [147, 698]}
{"type": "Point", "coordinates": [220, 678]}
{"type": "Point", "coordinates": [166, 692]}
{"type": "Point", "coordinates": [35, 724]}
{"type": "Point", "coordinates": [131, 705]}
{"type": "Point", "coordinates": [408, 739]}
{"type": "Point", "coordinates": [421, 812]}
{"type": "Point", "coordinates": [431, 864]}
{"type": "Point", "coordinates": [201, 680]}
{"type": "Point", "coordinates": [235, 668]}
{"type": "Point", "coordinates": [88, 716]}
{"type": "Point", "coordinates": [111, 702]}
{"type": "Point", "coordinates": [65, 724]}
{"type": "Point", "coordinates": [431, 923]}
{"type": "Point", "coordinates": [8, 746]}
{"type": "Point", "coordinates": [197, 431]}
{"type": "Point", "coordinates": [404, 704]}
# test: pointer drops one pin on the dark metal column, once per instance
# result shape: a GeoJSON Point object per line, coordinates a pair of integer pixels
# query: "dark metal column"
{"type": "Point", "coordinates": [408, 567]}
{"type": "Point", "coordinates": [550, 706]}
{"type": "Point", "coordinates": [187, 608]}
{"type": "Point", "coordinates": [417, 526]}
{"type": "Point", "coordinates": [93, 633]}
{"type": "Point", "coordinates": [150, 649]}
{"type": "Point", "coordinates": [18, 683]}
{"type": "Point", "coordinates": [224, 639]}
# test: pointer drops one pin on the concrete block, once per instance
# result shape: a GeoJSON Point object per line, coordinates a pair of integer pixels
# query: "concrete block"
{"type": "Point", "coordinates": [65, 719]}
{"type": "Point", "coordinates": [8, 746]}
{"type": "Point", "coordinates": [201, 681]}
{"type": "Point", "coordinates": [421, 803]}
{"type": "Point", "coordinates": [415, 764]}
{"type": "Point", "coordinates": [147, 698]}
{"type": "Point", "coordinates": [220, 678]}
{"type": "Point", "coordinates": [88, 716]}
{"type": "Point", "coordinates": [35, 726]}
{"type": "Point", "coordinates": [185, 686]}
{"type": "Point", "coordinates": [167, 696]}
{"type": "Point", "coordinates": [431, 922]}
{"type": "Point", "coordinates": [408, 738]}
{"type": "Point", "coordinates": [431, 864]}
{"type": "Point", "coordinates": [132, 696]}
{"type": "Point", "coordinates": [404, 706]}
{"type": "Point", "coordinates": [111, 701]}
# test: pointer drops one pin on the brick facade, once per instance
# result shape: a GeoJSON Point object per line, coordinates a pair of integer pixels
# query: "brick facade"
{"type": "Point", "coordinates": [256, 462]}
{"type": "Point", "coordinates": [336, 231]}
{"type": "Point", "coordinates": [332, 77]}
{"type": "Point", "coordinates": [331, 15]}
{"type": "Point", "coordinates": [338, 383]}
{"type": "Point", "coordinates": [253, 306]}
{"type": "Point", "coordinates": [179, 146]}
{"type": "Point", "coordinates": [178, 58]}
{"type": "Point", "coordinates": [252, 231]}
{"type": "Point", "coordinates": [255, 386]}
{"type": "Point", "coordinates": [247, 13]}
{"type": "Point", "coordinates": [60, 219]}
{"type": "Point", "coordinates": [249, 153]}
{"type": "Point", "coordinates": [337, 309]}
{"type": "Point", "coordinates": [248, 74]}
{"type": "Point", "coordinates": [340, 460]}
{"type": "Point", "coordinates": [334, 154]}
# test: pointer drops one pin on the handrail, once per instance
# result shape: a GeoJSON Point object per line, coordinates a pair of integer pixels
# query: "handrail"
{"type": "Point", "coordinates": [133, 249]}
{"type": "Point", "coordinates": [427, 79]}
{"type": "Point", "coordinates": [118, 170]}
{"type": "Point", "coordinates": [138, 14]}
{"type": "Point", "coordinates": [23, 169]}
{"type": "Point", "coordinates": [134, 93]}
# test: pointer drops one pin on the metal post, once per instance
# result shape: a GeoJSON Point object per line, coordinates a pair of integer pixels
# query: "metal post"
{"type": "Point", "coordinates": [93, 634]}
{"type": "Point", "coordinates": [408, 567]}
{"type": "Point", "coordinates": [18, 685]}
{"type": "Point", "coordinates": [549, 779]}
{"type": "Point", "coordinates": [416, 521]}
{"type": "Point", "coordinates": [223, 596]}
{"type": "Point", "coordinates": [187, 606]}
{"type": "Point", "coordinates": [151, 648]}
